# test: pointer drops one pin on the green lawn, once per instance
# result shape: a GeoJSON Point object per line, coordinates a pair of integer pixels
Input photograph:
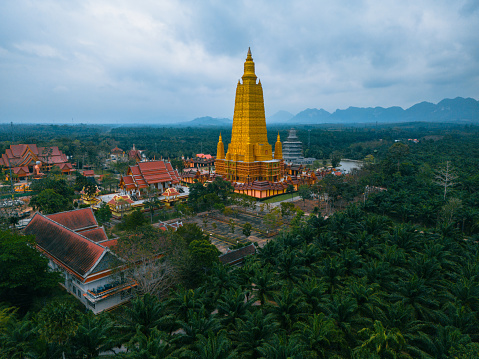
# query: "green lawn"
{"type": "Point", "coordinates": [281, 197]}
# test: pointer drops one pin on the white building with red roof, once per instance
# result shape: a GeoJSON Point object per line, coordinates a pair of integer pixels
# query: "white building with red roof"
{"type": "Point", "coordinates": [77, 247]}
{"type": "Point", "coordinates": [151, 174]}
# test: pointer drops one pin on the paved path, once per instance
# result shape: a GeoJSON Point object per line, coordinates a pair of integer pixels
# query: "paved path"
{"type": "Point", "coordinates": [278, 204]}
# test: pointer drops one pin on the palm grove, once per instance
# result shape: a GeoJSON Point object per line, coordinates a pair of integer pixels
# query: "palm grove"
{"type": "Point", "coordinates": [393, 275]}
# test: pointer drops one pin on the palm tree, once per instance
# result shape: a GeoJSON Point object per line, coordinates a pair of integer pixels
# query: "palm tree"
{"type": "Point", "coordinates": [405, 236]}
{"type": "Point", "coordinates": [253, 331]}
{"type": "Point", "coordinates": [365, 244]}
{"type": "Point", "coordinates": [199, 322]}
{"type": "Point", "coordinates": [220, 280]}
{"type": "Point", "coordinates": [344, 311]}
{"type": "Point", "coordinates": [351, 261]}
{"type": "Point", "coordinates": [283, 347]}
{"type": "Point", "coordinates": [380, 272]}
{"type": "Point", "coordinates": [419, 296]}
{"type": "Point", "coordinates": [387, 343]}
{"type": "Point", "coordinates": [444, 340]}
{"type": "Point", "coordinates": [332, 271]}
{"type": "Point", "coordinates": [466, 293]}
{"type": "Point", "coordinates": [58, 323]}
{"type": "Point", "coordinates": [290, 267]}
{"type": "Point", "coordinates": [144, 314]}
{"type": "Point", "coordinates": [233, 305]}
{"type": "Point", "coordinates": [328, 243]}
{"type": "Point", "coordinates": [376, 225]}
{"type": "Point", "coordinates": [314, 294]}
{"type": "Point", "coordinates": [269, 252]}
{"type": "Point", "coordinates": [446, 258]}
{"type": "Point", "coordinates": [264, 284]}
{"type": "Point", "coordinates": [93, 336]}
{"type": "Point", "coordinates": [342, 226]}
{"type": "Point", "coordinates": [289, 308]}
{"type": "Point", "coordinates": [182, 301]}
{"type": "Point", "coordinates": [463, 319]}
{"type": "Point", "coordinates": [321, 335]}
{"type": "Point", "coordinates": [426, 268]}
{"type": "Point", "coordinates": [18, 340]}
{"type": "Point", "coordinates": [369, 297]}
{"type": "Point", "coordinates": [401, 317]}
{"type": "Point", "coordinates": [211, 346]}
{"type": "Point", "coordinates": [154, 346]}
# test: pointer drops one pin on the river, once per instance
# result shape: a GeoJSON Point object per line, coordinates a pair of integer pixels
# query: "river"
{"type": "Point", "coordinates": [347, 165]}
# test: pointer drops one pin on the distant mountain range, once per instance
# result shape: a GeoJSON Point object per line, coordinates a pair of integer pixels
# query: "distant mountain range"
{"type": "Point", "coordinates": [448, 110]}
{"type": "Point", "coordinates": [458, 109]}
{"type": "Point", "coordinates": [207, 121]}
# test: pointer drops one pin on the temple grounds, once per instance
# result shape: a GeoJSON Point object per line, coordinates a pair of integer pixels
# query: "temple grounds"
{"type": "Point", "coordinates": [219, 227]}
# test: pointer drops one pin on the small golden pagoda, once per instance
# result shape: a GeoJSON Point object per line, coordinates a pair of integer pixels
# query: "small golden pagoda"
{"type": "Point", "coordinates": [249, 156]}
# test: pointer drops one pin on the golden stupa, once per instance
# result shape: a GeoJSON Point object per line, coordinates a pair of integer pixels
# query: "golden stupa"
{"type": "Point", "coordinates": [249, 156]}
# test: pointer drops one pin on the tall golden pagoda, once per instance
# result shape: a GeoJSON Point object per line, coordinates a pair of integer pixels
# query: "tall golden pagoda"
{"type": "Point", "coordinates": [249, 156]}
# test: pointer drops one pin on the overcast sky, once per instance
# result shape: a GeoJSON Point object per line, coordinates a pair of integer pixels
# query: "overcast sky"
{"type": "Point", "coordinates": [158, 60]}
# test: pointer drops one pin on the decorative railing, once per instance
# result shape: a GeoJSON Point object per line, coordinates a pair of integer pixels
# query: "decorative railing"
{"type": "Point", "coordinates": [108, 289]}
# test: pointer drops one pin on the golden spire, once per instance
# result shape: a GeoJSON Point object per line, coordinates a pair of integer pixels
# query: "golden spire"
{"type": "Point", "coordinates": [220, 149]}
{"type": "Point", "coordinates": [249, 122]}
{"type": "Point", "coordinates": [278, 149]}
{"type": "Point", "coordinates": [249, 75]}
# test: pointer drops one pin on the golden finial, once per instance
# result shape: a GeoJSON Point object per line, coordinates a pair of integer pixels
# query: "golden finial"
{"type": "Point", "coordinates": [278, 140]}
{"type": "Point", "coordinates": [249, 57]}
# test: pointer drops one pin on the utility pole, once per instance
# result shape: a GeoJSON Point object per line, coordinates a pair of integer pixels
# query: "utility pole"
{"type": "Point", "coordinates": [10, 166]}
{"type": "Point", "coordinates": [11, 178]}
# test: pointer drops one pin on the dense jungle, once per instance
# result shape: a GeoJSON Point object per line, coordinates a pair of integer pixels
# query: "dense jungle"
{"type": "Point", "coordinates": [394, 273]}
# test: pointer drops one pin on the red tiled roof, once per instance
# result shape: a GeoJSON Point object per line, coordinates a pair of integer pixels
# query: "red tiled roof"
{"type": "Point", "coordinates": [116, 150]}
{"type": "Point", "coordinates": [116, 199]}
{"type": "Point", "coordinates": [24, 169]}
{"type": "Point", "coordinates": [76, 252]}
{"type": "Point", "coordinates": [65, 166]}
{"type": "Point", "coordinates": [96, 234]}
{"type": "Point", "coordinates": [170, 192]}
{"type": "Point", "coordinates": [88, 173]}
{"type": "Point", "coordinates": [202, 155]}
{"type": "Point", "coordinates": [128, 180]}
{"type": "Point", "coordinates": [146, 173]}
{"type": "Point", "coordinates": [75, 220]}
{"type": "Point", "coordinates": [110, 243]}
{"type": "Point", "coordinates": [26, 154]}
{"type": "Point", "coordinates": [150, 166]}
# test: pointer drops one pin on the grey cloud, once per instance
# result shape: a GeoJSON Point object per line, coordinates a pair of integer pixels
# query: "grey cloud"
{"type": "Point", "coordinates": [104, 59]}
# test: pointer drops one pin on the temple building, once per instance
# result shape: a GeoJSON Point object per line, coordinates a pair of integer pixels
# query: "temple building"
{"type": "Point", "coordinates": [292, 147]}
{"type": "Point", "coordinates": [117, 154]}
{"type": "Point", "coordinates": [22, 159]}
{"type": "Point", "coordinates": [200, 160]}
{"type": "Point", "coordinates": [249, 157]}
{"type": "Point", "coordinates": [80, 250]}
{"type": "Point", "coordinates": [293, 150]}
{"type": "Point", "coordinates": [152, 174]}
{"type": "Point", "coordinates": [136, 155]}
